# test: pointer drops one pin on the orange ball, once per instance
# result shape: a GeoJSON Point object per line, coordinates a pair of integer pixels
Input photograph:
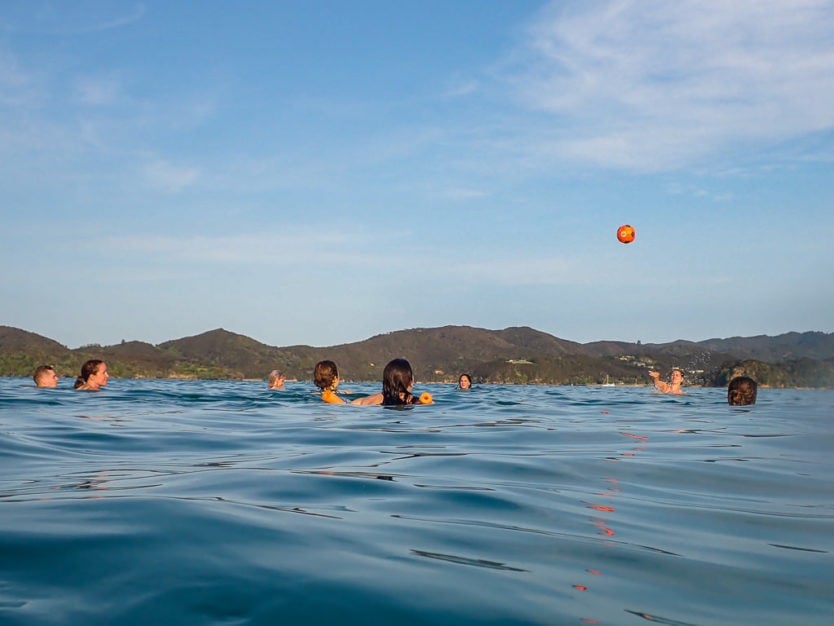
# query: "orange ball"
{"type": "Point", "coordinates": [626, 233]}
{"type": "Point", "coordinates": [425, 398]}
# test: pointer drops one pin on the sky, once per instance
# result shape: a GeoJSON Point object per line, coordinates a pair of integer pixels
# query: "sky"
{"type": "Point", "coordinates": [322, 172]}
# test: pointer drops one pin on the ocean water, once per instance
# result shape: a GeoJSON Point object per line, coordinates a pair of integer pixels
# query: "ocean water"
{"type": "Point", "coordinates": [205, 502]}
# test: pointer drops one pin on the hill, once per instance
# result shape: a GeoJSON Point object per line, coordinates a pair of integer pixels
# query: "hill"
{"type": "Point", "coordinates": [21, 352]}
{"type": "Point", "coordinates": [814, 345]}
{"type": "Point", "coordinates": [442, 353]}
{"type": "Point", "coordinates": [511, 355]}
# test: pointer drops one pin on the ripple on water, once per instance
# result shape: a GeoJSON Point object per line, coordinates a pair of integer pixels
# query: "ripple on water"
{"type": "Point", "coordinates": [220, 502]}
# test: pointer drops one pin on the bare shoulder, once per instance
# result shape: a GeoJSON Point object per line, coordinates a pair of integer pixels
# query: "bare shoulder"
{"type": "Point", "coordinates": [368, 400]}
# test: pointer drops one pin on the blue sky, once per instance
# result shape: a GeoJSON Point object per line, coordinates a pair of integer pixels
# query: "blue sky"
{"type": "Point", "coordinates": [321, 172]}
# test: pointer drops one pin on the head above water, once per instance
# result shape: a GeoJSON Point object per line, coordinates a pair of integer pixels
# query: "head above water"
{"type": "Point", "coordinates": [276, 379]}
{"type": "Point", "coordinates": [464, 381]}
{"type": "Point", "coordinates": [45, 376]}
{"type": "Point", "coordinates": [397, 381]}
{"type": "Point", "coordinates": [326, 375]}
{"type": "Point", "coordinates": [742, 391]}
{"type": "Point", "coordinates": [93, 375]}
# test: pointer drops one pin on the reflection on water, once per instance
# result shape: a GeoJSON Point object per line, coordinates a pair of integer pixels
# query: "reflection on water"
{"type": "Point", "coordinates": [196, 502]}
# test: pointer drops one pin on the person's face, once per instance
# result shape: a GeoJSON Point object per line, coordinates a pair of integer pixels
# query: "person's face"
{"type": "Point", "coordinates": [676, 377]}
{"type": "Point", "coordinates": [464, 382]}
{"type": "Point", "coordinates": [99, 379]}
{"type": "Point", "coordinates": [48, 379]}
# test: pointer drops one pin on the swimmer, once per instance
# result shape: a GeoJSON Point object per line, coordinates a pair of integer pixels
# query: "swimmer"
{"type": "Point", "coordinates": [465, 381]}
{"type": "Point", "coordinates": [45, 376]}
{"type": "Point", "coordinates": [397, 383]}
{"type": "Point", "coordinates": [742, 391]}
{"type": "Point", "coordinates": [674, 384]}
{"type": "Point", "coordinates": [326, 377]}
{"type": "Point", "coordinates": [276, 380]}
{"type": "Point", "coordinates": [93, 376]}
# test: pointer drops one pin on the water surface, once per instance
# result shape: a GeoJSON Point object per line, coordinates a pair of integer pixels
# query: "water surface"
{"type": "Point", "coordinates": [204, 502]}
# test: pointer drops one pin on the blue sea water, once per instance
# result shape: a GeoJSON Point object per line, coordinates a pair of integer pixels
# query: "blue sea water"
{"type": "Point", "coordinates": [206, 502]}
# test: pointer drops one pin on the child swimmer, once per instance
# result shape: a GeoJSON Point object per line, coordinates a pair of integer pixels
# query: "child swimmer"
{"type": "Point", "coordinates": [326, 377]}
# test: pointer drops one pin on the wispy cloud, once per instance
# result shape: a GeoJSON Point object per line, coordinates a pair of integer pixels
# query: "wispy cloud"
{"type": "Point", "coordinates": [97, 91]}
{"type": "Point", "coordinates": [307, 251]}
{"type": "Point", "coordinates": [67, 18]}
{"type": "Point", "coordinates": [170, 177]}
{"type": "Point", "coordinates": [650, 85]}
{"type": "Point", "coordinates": [681, 189]}
{"type": "Point", "coordinates": [461, 88]}
{"type": "Point", "coordinates": [310, 248]}
{"type": "Point", "coordinates": [17, 88]}
{"type": "Point", "coordinates": [510, 272]}
{"type": "Point", "coordinates": [463, 193]}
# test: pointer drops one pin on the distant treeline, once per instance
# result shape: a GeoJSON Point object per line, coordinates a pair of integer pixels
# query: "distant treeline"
{"type": "Point", "coordinates": [514, 355]}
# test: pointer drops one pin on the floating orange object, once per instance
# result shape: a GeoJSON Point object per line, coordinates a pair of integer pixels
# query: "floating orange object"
{"type": "Point", "coordinates": [425, 398]}
{"type": "Point", "coordinates": [626, 233]}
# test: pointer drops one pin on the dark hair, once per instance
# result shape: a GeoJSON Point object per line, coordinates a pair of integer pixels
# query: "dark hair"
{"type": "Point", "coordinates": [462, 376]}
{"type": "Point", "coordinates": [397, 377]}
{"type": "Point", "coordinates": [742, 391]}
{"type": "Point", "coordinates": [88, 369]}
{"type": "Point", "coordinates": [324, 374]}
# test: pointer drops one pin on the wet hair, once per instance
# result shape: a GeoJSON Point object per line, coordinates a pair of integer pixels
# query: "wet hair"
{"type": "Point", "coordinates": [324, 374]}
{"type": "Point", "coordinates": [467, 377]}
{"type": "Point", "coordinates": [396, 379]}
{"type": "Point", "coordinates": [275, 376]}
{"type": "Point", "coordinates": [41, 371]}
{"type": "Point", "coordinates": [742, 391]}
{"type": "Point", "coordinates": [88, 369]}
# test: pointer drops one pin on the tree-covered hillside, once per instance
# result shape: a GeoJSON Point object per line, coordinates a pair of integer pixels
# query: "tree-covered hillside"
{"type": "Point", "coordinates": [513, 355]}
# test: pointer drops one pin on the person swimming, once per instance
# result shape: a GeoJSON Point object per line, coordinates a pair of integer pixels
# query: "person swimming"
{"type": "Point", "coordinates": [742, 391]}
{"type": "Point", "coordinates": [397, 384]}
{"type": "Point", "coordinates": [93, 376]}
{"type": "Point", "coordinates": [276, 380]}
{"type": "Point", "coordinates": [45, 376]}
{"type": "Point", "coordinates": [326, 378]}
{"type": "Point", "coordinates": [465, 381]}
{"type": "Point", "coordinates": [674, 384]}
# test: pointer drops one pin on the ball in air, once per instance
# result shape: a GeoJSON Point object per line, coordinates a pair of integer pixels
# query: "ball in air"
{"type": "Point", "coordinates": [626, 233]}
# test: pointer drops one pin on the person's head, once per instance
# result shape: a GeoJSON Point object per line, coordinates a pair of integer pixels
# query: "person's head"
{"type": "Point", "coordinates": [93, 374]}
{"type": "Point", "coordinates": [676, 376]}
{"type": "Point", "coordinates": [276, 379]}
{"type": "Point", "coordinates": [326, 375]}
{"type": "Point", "coordinates": [397, 381]}
{"type": "Point", "coordinates": [45, 376]}
{"type": "Point", "coordinates": [742, 391]}
{"type": "Point", "coordinates": [465, 381]}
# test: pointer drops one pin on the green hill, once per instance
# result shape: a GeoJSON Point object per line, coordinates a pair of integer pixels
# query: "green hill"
{"type": "Point", "coordinates": [21, 352]}
{"type": "Point", "coordinates": [511, 355]}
